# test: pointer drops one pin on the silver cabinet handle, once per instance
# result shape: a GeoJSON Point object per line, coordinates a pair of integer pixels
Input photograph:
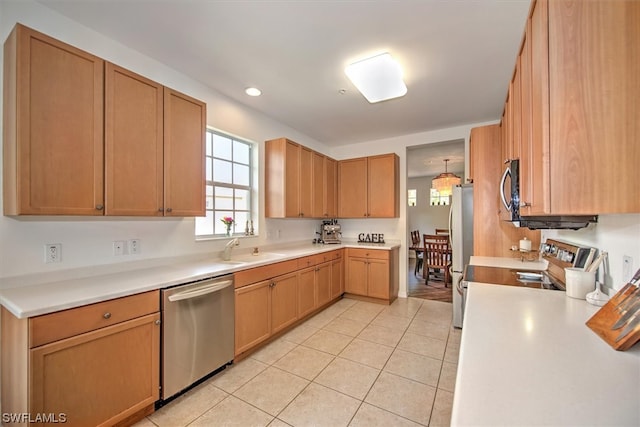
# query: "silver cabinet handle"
{"type": "Point", "coordinates": [107, 315]}
{"type": "Point", "coordinates": [525, 205]}
{"type": "Point", "coordinates": [169, 210]}
{"type": "Point", "coordinates": [99, 207]}
{"type": "Point", "coordinates": [157, 322]}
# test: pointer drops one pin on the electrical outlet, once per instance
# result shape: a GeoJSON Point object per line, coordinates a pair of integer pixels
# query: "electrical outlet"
{"type": "Point", "coordinates": [627, 268]}
{"type": "Point", "coordinates": [134, 246]}
{"type": "Point", "coordinates": [53, 252]}
{"type": "Point", "coordinates": [118, 247]}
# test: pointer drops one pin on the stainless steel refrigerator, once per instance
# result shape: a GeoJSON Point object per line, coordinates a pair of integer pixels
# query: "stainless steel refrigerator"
{"type": "Point", "coordinates": [461, 238]}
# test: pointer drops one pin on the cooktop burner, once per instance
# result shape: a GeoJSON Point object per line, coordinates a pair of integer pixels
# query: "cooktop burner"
{"type": "Point", "coordinates": [511, 277]}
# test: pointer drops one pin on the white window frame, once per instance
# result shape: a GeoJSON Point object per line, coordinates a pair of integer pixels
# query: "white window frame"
{"type": "Point", "coordinates": [238, 230]}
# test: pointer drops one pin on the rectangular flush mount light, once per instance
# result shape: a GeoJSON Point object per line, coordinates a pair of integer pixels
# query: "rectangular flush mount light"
{"type": "Point", "coordinates": [378, 78]}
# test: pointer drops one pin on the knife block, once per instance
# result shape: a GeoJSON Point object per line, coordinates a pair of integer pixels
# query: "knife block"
{"type": "Point", "coordinates": [608, 315]}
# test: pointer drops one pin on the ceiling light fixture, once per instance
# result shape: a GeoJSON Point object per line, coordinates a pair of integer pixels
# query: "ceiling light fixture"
{"type": "Point", "coordinates": [253, 91]}
{"type": "Point", "coordinates": [378, 78]}
{"type": "Point", "coordinates": [445, 181]}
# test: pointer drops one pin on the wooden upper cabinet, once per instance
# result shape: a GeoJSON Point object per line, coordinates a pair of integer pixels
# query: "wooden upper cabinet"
{"type": "Point", "coordinates": [53, 127]}
{"type": "Point", "coordinates": [133, 144]}
{"type": "Point", "coordinates": [185, 120]}
{"type": "Point", "coordinates": [369, 187]}
{"type": "Point", "coordinates": [384, 184]}
{"type": "Point", "coordinates": [593, 96]}
{"type": "Point", "coordinates": [534, 175]}
{"type": "Point", "coordinates": [330, 188]}
{"type": "Point", "coordinates": [305, 175]}
{"type": "Point", "coordinates": [579, 129]}
{"type": "Point", "coordinates": [318, 183]}
{"type": "Point", "coordinates": [352, 188]}
{"type": "Point", "coordinates": [296, 181]}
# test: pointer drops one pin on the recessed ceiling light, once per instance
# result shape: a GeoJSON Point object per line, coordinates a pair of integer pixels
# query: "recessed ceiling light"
{"type": "Point", "coordinates": [378, 78]}
{"type": "Point", "coordinates": [253, 91]}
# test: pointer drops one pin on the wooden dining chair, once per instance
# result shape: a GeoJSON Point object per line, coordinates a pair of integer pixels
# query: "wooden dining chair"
{"type": "Point", "coordinates": [416, 246]}
{"type": "Point", "coordinates": [442, 231]}
{"type": "Point", "coordinates": [437, 257]}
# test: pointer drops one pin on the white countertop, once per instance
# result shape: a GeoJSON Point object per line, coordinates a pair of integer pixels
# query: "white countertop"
{"type": "Point", "coordinates": [45, 293]}
{"type": "Point", "coordinates": [527, 358]}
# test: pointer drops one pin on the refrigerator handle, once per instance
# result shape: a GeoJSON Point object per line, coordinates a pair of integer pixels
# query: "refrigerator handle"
{"type": "Point", "coordinates": [451, 235]}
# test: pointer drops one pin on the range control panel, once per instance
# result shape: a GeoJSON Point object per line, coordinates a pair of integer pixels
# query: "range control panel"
{"type": "Point", "coordinates": [561, 255]}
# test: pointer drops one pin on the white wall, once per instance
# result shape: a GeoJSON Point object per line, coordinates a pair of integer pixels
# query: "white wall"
{"type": "Point", "coordinates": [619, 235]}
{"type": "Point", "coordinates": [88, 241]}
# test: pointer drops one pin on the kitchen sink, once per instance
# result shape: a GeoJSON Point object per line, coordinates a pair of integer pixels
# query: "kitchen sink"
{"type": "Point", "coordinates": [261, 256]}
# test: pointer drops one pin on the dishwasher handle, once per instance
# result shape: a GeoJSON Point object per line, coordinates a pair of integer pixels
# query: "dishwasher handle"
{"type": "Point", "coordinates": [214, 287]}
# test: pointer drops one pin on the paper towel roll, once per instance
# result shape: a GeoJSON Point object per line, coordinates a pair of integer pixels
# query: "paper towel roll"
{"type": "Point", "coordinates": [525, 244]}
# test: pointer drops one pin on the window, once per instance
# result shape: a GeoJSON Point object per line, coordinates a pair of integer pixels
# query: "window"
{"type": "Point", "coordinates": [438, 199]}
{"type": "Point", "coordinates": [229, 186]}
{"type": "Point", "coordinates": [412, 197]}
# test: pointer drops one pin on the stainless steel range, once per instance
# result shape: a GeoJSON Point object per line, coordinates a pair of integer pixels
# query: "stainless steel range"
{"type": "Point", "coordinates": [558, 254]}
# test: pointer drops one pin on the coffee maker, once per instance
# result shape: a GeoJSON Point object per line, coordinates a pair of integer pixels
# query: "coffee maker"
{"type": "Point", "coordinates": [330, 232]}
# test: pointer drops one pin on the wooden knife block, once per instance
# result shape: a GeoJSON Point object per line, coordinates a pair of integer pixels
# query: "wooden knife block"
{"type": "Point", "coordinates": [608, 315]}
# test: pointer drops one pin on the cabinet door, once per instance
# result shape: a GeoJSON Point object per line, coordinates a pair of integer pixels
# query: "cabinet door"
{"type": "Point", "coordinates": [306, 291]}
{"type": "Point", "coordinates": [53, 136]}
{"type": "Point", "coordinates": [253, 315]}
{"type": "Point", "coordinates": [323, 284]}
{"type": "Point", "coordinates": [594, 86]}
{"type": "Point", "coordinates": [306, 182]}
{"type": "Point", "coordinates": [317, 185]}
{"type": "Point", "coordinates": [184, 174]}
{"type": "Point", "coordinates": [337, 278]}
{"type": "Point", "coordinates": [356, 280]}
{"type": "Point", "coordinates": [352, 185]}
{"type": "Point", "coordinates": [133, 144]}
{"type": "Point", "coordinates": [284, 299]}
{"type": "Point", "coordinates": [525, 140]}
{"type": "Point", "coordinates": [383, 186]}
{"type": "Point", "coordinates": [516, 112]}
{"type": "Point", "coordinates": [101, 377]}
{"type": "Point", "coordinates": [330, 188]}
{"type": "Point", "coordinates": [378, 274]}
{"type": "Point", "coordinates": [292, 182]}
{"type": "Point", "coordinates": [537, 179]}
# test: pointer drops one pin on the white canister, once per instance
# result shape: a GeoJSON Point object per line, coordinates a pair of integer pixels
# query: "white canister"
{"type": "Point", "coordinates": [579, 282]}
{"type": "Point", "coordinates": [525, 244]}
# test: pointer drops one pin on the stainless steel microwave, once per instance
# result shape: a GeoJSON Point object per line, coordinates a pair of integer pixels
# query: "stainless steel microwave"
{"type": "Point", "coordinates": [510, 198]}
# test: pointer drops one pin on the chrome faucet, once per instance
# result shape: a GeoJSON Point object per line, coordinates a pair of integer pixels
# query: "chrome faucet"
{"type": "Point", "coordinates": [226, 254]}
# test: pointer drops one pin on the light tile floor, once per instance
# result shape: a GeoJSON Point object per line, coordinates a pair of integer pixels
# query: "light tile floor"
{"type": "Point", "coordinates": [353, 364]}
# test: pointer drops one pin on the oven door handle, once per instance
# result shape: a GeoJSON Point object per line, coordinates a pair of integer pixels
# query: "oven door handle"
{"type": "Point", "coordinates": [507, 172]}
{"type": "Point", "coordinates": [204, 290]}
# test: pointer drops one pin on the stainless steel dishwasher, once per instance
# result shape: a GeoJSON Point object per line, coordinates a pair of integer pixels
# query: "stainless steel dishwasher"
{"type": "Point", "coordinates": [197, 332]}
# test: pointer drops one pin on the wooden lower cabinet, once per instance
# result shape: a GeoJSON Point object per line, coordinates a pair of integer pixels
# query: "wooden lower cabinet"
{"type": "Point", "coordinates": [253, 315]}
{"type": "Point", "coordinates": [100, 377]}
{"type": "Point", "coordinates": [284, 293]}
{"type": "Point", "coordinates": [337, 277]}
{"type": "Point", "coordinates": [372, 273]}
{"type": "Point", "coordinates": [270, 306]}
{"type": "Point", "coordinates": [306, 291]}
{"type": "Point", "coordinates": [95, 378]}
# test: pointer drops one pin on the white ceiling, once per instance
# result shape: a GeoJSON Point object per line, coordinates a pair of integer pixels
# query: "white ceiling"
{"type": "Point", "coordinates": [457, 56]}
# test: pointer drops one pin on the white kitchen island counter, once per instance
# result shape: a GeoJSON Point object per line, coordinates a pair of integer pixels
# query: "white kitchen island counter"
{"type": "Point", "coordinates": [527, 358]}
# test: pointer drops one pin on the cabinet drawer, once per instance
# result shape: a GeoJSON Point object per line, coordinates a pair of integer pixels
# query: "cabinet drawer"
{"type": "Point", "coordinates": [75, 321]}
{"type": "Point", "coordinates": [368, 253]}
{"type": "Point", "coordinates": [258, 274]}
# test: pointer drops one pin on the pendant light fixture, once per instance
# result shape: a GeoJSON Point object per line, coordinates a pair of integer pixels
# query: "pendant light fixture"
{"type": "Point", "coordinates": [445, 181]}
